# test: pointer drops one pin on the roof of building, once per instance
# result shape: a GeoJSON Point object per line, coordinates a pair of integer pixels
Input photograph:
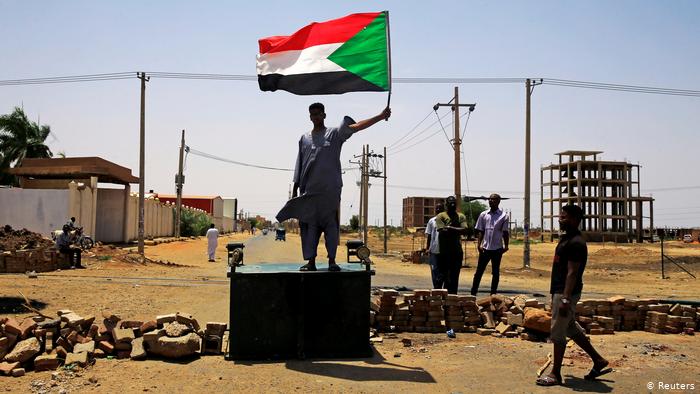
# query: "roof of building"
{"type": "Point", "coordinates": [76, 168]}
{"type": "Point", "coordinates": [160, 195]}
{"type": "Point", "coordinates": [580, 152]}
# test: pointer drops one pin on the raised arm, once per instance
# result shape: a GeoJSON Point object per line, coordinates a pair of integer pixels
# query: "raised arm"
{"type": "Point", "coordinates": [363, 124]}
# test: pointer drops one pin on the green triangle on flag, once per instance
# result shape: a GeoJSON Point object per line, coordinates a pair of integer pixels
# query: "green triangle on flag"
{"type": "Point", "coordinates": [366, 54]}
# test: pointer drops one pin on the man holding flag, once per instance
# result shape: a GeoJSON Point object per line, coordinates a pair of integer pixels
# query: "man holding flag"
{"type": "Point", "coordinates": [349, 54]}
{"type": "Point", "coordinates": [317, 176]}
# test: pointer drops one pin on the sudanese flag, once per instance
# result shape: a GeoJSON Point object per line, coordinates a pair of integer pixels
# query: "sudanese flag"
{"type": "Point", "coordinates": [349, 54]}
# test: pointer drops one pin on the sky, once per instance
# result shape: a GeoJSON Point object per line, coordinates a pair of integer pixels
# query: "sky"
{"type": "Point", "coordinates": [650, 43]}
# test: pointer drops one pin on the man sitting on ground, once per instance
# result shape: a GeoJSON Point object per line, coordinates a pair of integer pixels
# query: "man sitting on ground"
{"type": "Point", "coordinates": [63, 244]}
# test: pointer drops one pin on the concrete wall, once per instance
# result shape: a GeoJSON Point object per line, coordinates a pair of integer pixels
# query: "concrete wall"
{"type": "Point", "coordinates": [110, 215]}
{"type": "Point", "coordinates": [41, 211]}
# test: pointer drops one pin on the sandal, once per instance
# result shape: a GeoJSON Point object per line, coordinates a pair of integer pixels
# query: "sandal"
{"type": "Point", "coordinates": [598, 371]}
{"type": "Point", "coordinates": [548, 381]}
{"type": "Point", "coordinates": [308, 267]}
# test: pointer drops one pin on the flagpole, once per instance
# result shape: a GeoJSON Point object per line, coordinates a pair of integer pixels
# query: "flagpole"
{"type": "Point", "coordinates": [388, 48]}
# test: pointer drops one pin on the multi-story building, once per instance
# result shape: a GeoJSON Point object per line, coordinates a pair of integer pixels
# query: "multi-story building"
{"type": "Point", "coordinates": [418, 210]}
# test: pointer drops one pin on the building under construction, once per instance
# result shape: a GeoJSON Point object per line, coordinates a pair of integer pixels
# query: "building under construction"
{"type": "Point", "coordinates": [608, 192]}
{"type": "Point", "coordinates": [418, 210]}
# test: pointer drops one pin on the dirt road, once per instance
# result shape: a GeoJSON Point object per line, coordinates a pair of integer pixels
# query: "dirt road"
{"type": "Point", "coordinates": [433, 363]}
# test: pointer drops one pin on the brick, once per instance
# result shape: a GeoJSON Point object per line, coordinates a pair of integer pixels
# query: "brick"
{"type": "Point", "coordinates": [62, 342]}
{"type": "Point", "coordinates": [148, 326]}
{"type": "Point", "coordinates": [12, 326]}
{"type": "Point", "coordinates": [123, 334]}
{"type": "Point", "coordinates": [48, 341]}
{"type": "Point", "coordinates": [105, 347]}
{"type": "Point", "coordinates": [485, 331]}
{"type": "Point", "coordinates": [502, 328]}
{"type": "Point", "coordinates": [99, 353]}
{"type": "Point", "coordinates": [26, 327]}
{"type": "Point", "coordinates": [676, 310]}
{"type": "Point", "coordinates": [515, 320]}
{"type": "Point", "coordinates": [616, 299]}
{"type": "Point", "coordinates": [72, 338]}
{"type": "Point", "coordinates": [121, 346]}
{"type": "Point", "coordinates": [94, 330]}
{"type": "Point", "coordinates": [72, 319]}
{"type": "Point", "coordinates": [488, 320]}
{"type": "Point", "coordinates": [7, 367]}
{"type": "Point", "coordinates": [108, 315]}
{"type": "Point", "coordinates": [123, 354]}
{"type": "Point", "coordinates": [61, 352]}
{"type": "Point", "coordinates": [17, 372]}
{"type": "Point", "coordinates": [531, 302]}
{"type": "Point", "coordinates": [47, 362]}
{"type": "Point", "coordinates": [137, 350]}
{"type": "Point", "coordinates": [80, 359]}
{"type": "Point", "coordinates": [162, 319]}
{"type": "Point", "coordinates": [62, 312]}
{"type": "Point", "coordinates": [88, 347]}
{"type": "Point", "coordinates": [130, 324]}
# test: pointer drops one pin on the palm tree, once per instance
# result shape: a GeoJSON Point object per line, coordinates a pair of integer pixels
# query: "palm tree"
{"type": "Point", "coordinates": [20, 139]}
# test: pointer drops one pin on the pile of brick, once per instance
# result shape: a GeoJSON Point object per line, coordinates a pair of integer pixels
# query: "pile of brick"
{"type": "Point", "coordinates": [40, 344]}
{"type": "Point", "coordinates": [434, 311]}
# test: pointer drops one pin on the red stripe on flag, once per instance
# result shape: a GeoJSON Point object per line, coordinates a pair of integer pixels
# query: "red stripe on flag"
{"type": "Point", "coordinates": [318, 33]}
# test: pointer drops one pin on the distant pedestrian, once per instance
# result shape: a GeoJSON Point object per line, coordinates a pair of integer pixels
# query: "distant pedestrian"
{"type": "Point", "coordinates": [492, 226]}
{"type": "Point", "coordinates": [63, 244]}
{"type": "Point", "coordinates": [437, 272]}
{"type": "Point", "coordinates": [451, 225]}
{"type": "Point", "coordinates": [568, 266]}
{"type": "Point", "coordinates": [212, 242]}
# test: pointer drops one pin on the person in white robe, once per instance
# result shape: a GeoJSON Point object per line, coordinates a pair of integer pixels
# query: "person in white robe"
{"type": "Point", "coordinates": [212, 242]}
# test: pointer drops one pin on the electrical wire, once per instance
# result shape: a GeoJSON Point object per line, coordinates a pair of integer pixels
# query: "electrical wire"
{"type": "Point", "coordinates": [404, 143]}
{"type": "Point", "coordinates": [419, 80]}
{"type": "Point", "coordinates": [422, 140]}
{"type": "Point", "coordinates": [449, 141]}
{"type": "Point", "coordinates": [410, 131]}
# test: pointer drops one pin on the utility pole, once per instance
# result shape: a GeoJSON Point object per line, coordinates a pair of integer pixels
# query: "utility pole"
{"type": "Point", "coordinates": [529, 87]}
{"type": "Point", "coordinates": [385, 234]}
{"type": "Point", "coordinates": [365, 239]}
{"type": "Point", "coordinates": [142, 159]}
{"type": "Point", "coordinates": [179, 181]}
{"type": "Point", "coordinates": [456, 142]}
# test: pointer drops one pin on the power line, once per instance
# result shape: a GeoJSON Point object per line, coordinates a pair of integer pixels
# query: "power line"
{"type": "Point", "coordinates": [402, 144]}
{"type": "Point", "coordinates": [426, 138]}
{"type": "Point", "coordinates": [410, 80]}
{"type": "Point", "coordinates": [240, 163]}
{"type": "Point", "coordinates": [410, 131]}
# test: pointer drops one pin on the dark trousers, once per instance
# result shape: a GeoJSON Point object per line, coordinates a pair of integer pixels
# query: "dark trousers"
{"type": "Point", "coordinates": [450, 263]}
{"type": "Point", "coordinates": [484, 257]}
{"type": "Point", "coordinates": [73, 255]}
{"type": "Point", "coordinates": [437, 272]}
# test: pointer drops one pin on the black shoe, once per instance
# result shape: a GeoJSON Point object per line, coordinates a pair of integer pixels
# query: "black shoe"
{"type": "Point", "coordinates": [308, 267]}
{"type": "Point", "coordinates": [333, 267]}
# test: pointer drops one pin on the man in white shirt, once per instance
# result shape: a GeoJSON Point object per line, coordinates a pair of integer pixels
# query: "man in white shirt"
{"type": "Point", "coordinates": [212, 242]}
{"type": "Point", "coordinates": [437, 273]}
{"type": "Point", "coordinates": [492, 226]}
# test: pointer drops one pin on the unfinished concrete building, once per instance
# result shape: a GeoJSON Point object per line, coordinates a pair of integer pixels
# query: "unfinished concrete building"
{"type": "Point", "coordinates": [418, 210]}
{"type": "Point", "coordinates": [608, 192]}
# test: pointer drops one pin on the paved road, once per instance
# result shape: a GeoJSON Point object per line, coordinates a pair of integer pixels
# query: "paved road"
{"type": "Point", "coordinates": [263, 249]}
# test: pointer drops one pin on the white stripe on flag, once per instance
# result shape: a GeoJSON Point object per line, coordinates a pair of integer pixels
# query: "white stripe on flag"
{"type": "Point", "coordinates": [309, 60]}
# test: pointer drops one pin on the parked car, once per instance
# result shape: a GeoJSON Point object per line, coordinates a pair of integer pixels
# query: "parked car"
{"type": "Point", "coordinates": [687, 238]}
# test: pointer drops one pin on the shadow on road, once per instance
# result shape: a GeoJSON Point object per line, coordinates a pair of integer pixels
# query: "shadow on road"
{"type": "Point", "coordinates": [589, 386]}
{"type": "Point", "coordinates": [378, 370]}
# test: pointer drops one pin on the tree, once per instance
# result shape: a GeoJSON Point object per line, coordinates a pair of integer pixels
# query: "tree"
{"type": "Point", "coordinates": [471, 210]}
{"type": "Point", "coordinates": [354, 222]}
{"type": "Point", "coordinates": [20, 139]}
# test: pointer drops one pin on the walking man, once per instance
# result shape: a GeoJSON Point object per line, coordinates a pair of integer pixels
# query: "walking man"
{"type": "Point", "coordinates": [451, 225]}
{"type": "Point", "coordinates": [317, 177]}
{"type": "Point", "coordinates": [569, 263]}
{"type": "Point", "coordinates": [212, 242]}
{"type": "Point", "coordinates": [437, 272]}
{"type": "Point", "coordinates": [492, 226]}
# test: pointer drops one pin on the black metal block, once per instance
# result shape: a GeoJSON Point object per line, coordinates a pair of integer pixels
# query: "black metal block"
{"type": "Point", "coordinates": [282, 315]}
